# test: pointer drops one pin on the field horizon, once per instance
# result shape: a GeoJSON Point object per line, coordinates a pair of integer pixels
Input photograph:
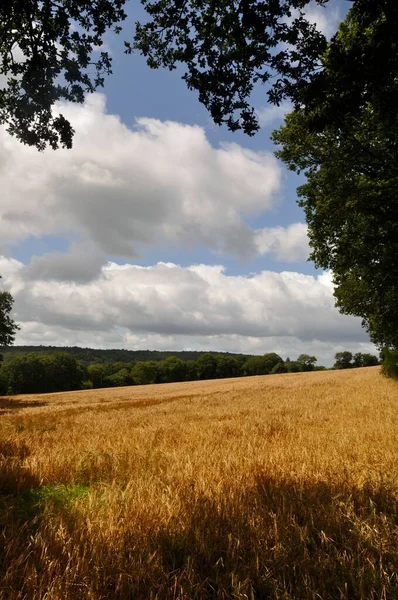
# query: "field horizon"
{"type": "Point", "coordinates": [279, 486]}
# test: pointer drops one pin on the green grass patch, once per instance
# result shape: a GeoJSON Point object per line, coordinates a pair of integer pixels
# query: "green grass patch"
{"type": "Point", "coordinates": [61, 497]}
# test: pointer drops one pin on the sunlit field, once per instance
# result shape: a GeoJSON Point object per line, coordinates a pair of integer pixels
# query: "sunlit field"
{"type": "Point", "coordinates": [282, 486]}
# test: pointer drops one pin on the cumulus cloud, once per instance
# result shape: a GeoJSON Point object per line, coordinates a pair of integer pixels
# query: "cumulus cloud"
{"type": "Point", "coordinates": [326, 18]}
{"type": "Point", "coordinates": [273, 114]}
{"type": "Point", "coordinates": [121, 188]}
{"type": "Point", "coordinates": [286, 243]}
{"type": "Point", "coordinates": [81, 263]}
{"type": "Point", "coordinates": [162, 305]}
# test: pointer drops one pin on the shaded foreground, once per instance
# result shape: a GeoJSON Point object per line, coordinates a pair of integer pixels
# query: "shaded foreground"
{"type": "Point", "coordinates": [282, 486]}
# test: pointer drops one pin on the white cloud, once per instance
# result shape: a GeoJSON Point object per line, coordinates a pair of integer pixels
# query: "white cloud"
{"type": "Point", "coordinates": [272, 114]}
{"type": "Point", "coordinates": [120, 188]}
{"type": "Point", "coordinates": [326, 18]}
{"type": "Point", "coordinates": [289, 244]}
{"type": "Point", "coordinates": [82, 263]}
{"type": "Point", "coordinates": [168, 306]}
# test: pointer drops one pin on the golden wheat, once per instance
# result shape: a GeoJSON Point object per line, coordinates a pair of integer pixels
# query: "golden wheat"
{"type": "Point", "coordinates": [282, 486]}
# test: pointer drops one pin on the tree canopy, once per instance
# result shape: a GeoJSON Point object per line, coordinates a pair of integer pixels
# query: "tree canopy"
{"type": "Point", "coordinates": [8, 327]}
{"type": "Point", "coordinates": [350, 194]}
{"type": "Point", "coordinates": [47, 55]}
{"type": "Point", "coordinates": [307, 362]}
{"type": "Point", "coordinates": [343, 360]}
{"type": "Point", "coordinates": [50, 51]}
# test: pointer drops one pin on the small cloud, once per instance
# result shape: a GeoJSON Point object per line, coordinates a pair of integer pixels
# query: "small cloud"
{"type": "Point", "coordinates": [286, 243]}
{"type": "Point", "coordinates": [273, 114]}
{"type": "Point", "coordinates": [326, 18]}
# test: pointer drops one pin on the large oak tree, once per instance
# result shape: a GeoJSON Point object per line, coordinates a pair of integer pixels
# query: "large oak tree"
{"type": "Point", "coordinates": [348, 153]}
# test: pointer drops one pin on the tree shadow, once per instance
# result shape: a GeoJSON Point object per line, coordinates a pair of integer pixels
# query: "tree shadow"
{"type": "Point", "coordinates": [283, 539]}
{"type": "Point", "coordinates": [14, 476]}
{"type": "Point", "coordinates": [8, 405]}
{"type": "Point", "coordinates": [276, 538]}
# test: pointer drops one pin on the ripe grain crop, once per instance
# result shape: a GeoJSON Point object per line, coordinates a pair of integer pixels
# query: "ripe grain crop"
{"type": "Point", "coordinates": [280, 487]}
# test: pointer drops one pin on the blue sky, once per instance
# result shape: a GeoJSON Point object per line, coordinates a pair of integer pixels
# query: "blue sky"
{"type": "Point", "coordinates": [160, 229]}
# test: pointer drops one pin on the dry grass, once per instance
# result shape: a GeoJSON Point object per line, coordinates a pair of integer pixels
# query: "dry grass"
{"type": "Point", "coordinates": [283, 486]}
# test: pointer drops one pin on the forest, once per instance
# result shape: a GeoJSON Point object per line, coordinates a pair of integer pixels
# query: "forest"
{"type": "Point", "coordinates": [66, 369]}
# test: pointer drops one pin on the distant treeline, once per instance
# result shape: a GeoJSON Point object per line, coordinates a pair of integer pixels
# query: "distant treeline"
{"type": "Point", "coordinates": [35, 372]}
{"type": "Point", "coordinates": [88, 356]}
{"type": "Point", "coordinates": [347, 360]}
{"type": "Point", "coordinates": [61, 371]}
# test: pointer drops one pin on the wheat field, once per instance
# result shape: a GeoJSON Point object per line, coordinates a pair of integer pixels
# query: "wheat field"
{"type": "Point", "coordinates": [281, 487]}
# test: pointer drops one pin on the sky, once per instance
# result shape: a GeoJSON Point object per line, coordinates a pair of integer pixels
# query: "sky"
{"type": "Point", "coordinates": [161, 230]}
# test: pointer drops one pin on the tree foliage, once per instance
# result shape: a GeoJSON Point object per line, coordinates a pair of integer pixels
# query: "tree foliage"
{"type": "Point", "coordinates": [49, 52]}
{"type": "Point", "coordinates": [345, 143]}
{"type": "Point", "coordinates": [227, 47]}
{"type": "Point", "coordinates": [307, 362]}
{"type": "Point", "coordinates": [262, 365]}
{"type": "Point", "coordinates": [8, 327]}
{"type": "Point", "coordinates": [390, 363]}
{"type": "Point", "coordinates": [343, 360]}
{"type": "Point", "coordinates": [365, 360]}
{"type": "Point", "coordinates": [359, 69]}
{"type": "Point", "coordinates": [35, 373]}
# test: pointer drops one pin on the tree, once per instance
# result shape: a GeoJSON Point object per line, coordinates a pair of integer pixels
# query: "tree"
{"type": "Point", "coordinates": [27, 374]}
{"type": "Point", "coordinates": [351, 209]}
{"type": "Point", "coordinates": [369, 360]}
{"type": "Point", "coordinates": [343, 133]}
{"type": "Point", "coordinates": [62, 372]}
{"type": "Point", "coordinates": [307, 362]}
{"type": "Point", "coordinates": [8, 327]}
{"type": "Point", "coordinates": [226, 48]}
{"type": "Point", "coordinates": [365, 360]}
{"type": "Point", "coordinates": [206, 366]}
{"type": "Point", "coordinates": [343, 360]}
{"type": "Point", "coordinates": [172, 369]}
{"type": "Point", "coordinates": [192, 372]}
{"type": "Point", "coordinates": [279, 368]}
{"type": "Point", "coordinates": [293, 366]}
{"type": "Point", "coordinates": [261, 365]}
{"type": "Point", "coordinates": [359, 68]}
{"type": "Point", "coordinates": [271, 359]}
{"type": "Point", "coordinates": [120, 378]}
{"type": "Point", "coordinates": [40, 373]}
{"type": "Point", "coordinates": [96, 374]}
{"type": "Point", "coordinates": [255, 365]}
{"type": "Point", "coordinates": [358, 360]}
{"type": "Point", "coordinates": [349, 159]}
{"type": "Point", "coordinates": [144, 372]}
{"type": "Point", "coordinates": [46, 53]}
{"type": "Point", "coordinates": [227, 366]}
{"type": "Point", "coordinates": [390, 363]}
